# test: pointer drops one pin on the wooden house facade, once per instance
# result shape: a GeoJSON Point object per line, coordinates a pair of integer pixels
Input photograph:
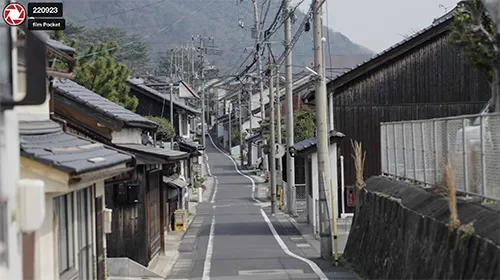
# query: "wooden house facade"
{"type": "Point", "coordinates": [141, 204]}
{"type": "Point", "coordinates": [422, 77]}
{"type": "Point", "coordinates": [156, 102]}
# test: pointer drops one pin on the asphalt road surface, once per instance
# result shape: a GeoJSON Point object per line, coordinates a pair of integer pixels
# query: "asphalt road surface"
{"type": "Point", "coordinates": [239, 239]}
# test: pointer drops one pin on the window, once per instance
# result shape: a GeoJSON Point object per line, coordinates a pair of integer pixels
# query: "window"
{"type": "Point", "coordinates": [63, 208]}
{"type": "Point", "coordinates": [85, 237]}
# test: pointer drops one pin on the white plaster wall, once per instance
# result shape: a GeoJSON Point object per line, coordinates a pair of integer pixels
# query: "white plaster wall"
{"type": "Point", "coordinates": [255, 154]}
{"type": "Point", "coordinates": [255, 124]}
{"type": "Point", "coordinates": [46, 264]}
{"type": "Point", "coordinates": [9, 175]}
{"type": "Point", "coordinates": [188, 132]}
{"type": "Point", "coordinates": [30, 113]}
{"type": "Point", "coordinates": [256, 99]}
{"type": "Point", "coordinates": [127, 136]}
{"type": "Point", "coordinates": [183, 164]}
{"type": "Point", "coordinates": [220, 130]}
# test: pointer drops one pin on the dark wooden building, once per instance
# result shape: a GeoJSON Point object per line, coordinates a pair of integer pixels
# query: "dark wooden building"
{"type": "Point", "coordinates": [422, 77]}
{"type": "Point", "coordinates": [142, 204]}
{"type": "Point", "coordinates": [156, 102]}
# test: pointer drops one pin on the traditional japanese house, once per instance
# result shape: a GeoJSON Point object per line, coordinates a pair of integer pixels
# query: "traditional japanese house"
{"type": "Point", "coordinates": [141, 206]}
{"type": "Point", "coordinates": [71, 241]}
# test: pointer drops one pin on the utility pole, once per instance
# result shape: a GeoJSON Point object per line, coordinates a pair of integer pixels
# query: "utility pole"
{"type": "Point", "coordinates": [322, 133]}
{"type": "Point", "coordinates": [290, 161]}
{"type": "Point", "coordinates": [258, 46]}
{"type": "Point", "coordinates": [278, 115]}
{"type": "Point", "coordinates": [172, 62]}
{"type": "Point", "coordinates": [193, 73]}
{"type": "Point", "coordinates": [203, 97]}
{"type": "Point", "coordinates": [274, 205]}
{"type": "Point", "coordinates": [171, 113]}
{"type": "Point", "coordinates": [230, 124]}
{"type": "Point", "coordinates": [241, 129]}
{"type": "Point", "coordinates": [182, 61]}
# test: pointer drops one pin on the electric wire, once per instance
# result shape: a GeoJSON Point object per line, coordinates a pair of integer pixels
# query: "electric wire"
{"type": "Point", "coordinates": [121, 12]}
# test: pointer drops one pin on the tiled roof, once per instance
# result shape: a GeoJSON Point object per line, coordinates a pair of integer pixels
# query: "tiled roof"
{"type": "Point", "coordinates": [138, 84]}
{"type": "Point", "coordinates": [313, 141]}
{"type": "Point", "coordinates": [95, 102]}
{"type": "Point", "coordinates": [60, 46]}
{"type": "Point", "coordinates": [47, 143]}
{"type": "Point", "coordinates": [154, 151]}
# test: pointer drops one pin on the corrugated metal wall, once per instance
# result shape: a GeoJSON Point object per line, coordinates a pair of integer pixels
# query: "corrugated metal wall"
{"type": "Point", "coordinates": [430, 82]}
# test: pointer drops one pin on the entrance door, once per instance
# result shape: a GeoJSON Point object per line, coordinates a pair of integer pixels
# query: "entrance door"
{"type": "Point", "coordinates": [163, 216]}
{"type": "Point", "coordinates": [154, 212]}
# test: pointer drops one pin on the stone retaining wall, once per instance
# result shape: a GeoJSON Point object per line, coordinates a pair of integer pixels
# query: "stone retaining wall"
{"type": "Point", "coordinates": [400, 231]}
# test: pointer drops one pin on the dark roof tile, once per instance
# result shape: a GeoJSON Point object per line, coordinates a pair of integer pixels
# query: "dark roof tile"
{"type": "Point", "coordinates": [45, 142]}
{"type": "Point", "coordinates": [138, 84]}
{"type": "Point", "coordinates": [94, 101]}
{"type": "Point", "coordinates": [168, 154]}
{"type": "Point", "coordinates": [313, 141]}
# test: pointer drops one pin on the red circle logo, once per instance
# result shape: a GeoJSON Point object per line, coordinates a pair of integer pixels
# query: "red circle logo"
{"type": "Point", "coordinates": [14, 14]}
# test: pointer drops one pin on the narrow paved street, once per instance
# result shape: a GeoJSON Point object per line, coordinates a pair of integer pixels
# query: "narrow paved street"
{"type": "Point", "coordinates": [238, 238]}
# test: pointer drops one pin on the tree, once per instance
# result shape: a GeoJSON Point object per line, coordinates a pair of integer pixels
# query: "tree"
{"type": "Point", "coordinates": [166, 131]}
{"type": "Point", "coordinates": [304, 124]}
{"type": "Point", "coordinates": [475, 32]}
{"type": "Point", "coordinates": [98, 71]}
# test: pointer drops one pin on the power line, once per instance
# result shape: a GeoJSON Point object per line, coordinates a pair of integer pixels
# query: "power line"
{"type": "Point", "coordinates": [268, 33]}
{"type": "Point", "coordinates": [122, 12]}
{"type": "Point", "coordinates": [150, 35]}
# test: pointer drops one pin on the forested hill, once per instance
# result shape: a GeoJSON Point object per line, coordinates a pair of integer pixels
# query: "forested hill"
{"type": "Point", "coordinates": [220, 20]}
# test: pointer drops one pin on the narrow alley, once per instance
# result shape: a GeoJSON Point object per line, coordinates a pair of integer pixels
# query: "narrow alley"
{"type": "Point", "coordinates": [239, 238]}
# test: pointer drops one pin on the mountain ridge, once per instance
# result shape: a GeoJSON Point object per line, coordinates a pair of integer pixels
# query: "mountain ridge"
{"type": "Point", "coordinates": [221, 20]}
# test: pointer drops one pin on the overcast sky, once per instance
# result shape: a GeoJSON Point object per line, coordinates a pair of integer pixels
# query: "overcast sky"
{"type": "Point", "coordinates": [379, 24]}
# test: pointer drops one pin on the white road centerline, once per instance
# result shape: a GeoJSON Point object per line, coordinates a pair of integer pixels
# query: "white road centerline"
{"type": "Point", "coordinates": [282, 244]}
{"type": "Point", "coordinates": [210, 247]}
{"type": "Point", "coordinates": [237, 170]}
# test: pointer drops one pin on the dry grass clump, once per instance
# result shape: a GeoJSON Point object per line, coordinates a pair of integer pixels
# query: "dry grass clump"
{"type": "Point", "coordinates": [359, 162]}
{"type": "Point", "coordinates": [449, 181]}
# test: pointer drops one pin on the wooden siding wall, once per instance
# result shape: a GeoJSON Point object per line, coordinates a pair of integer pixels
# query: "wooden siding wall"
{"type": "Point", "coordinates": [151, 107]}
{"type": "Point", "coordinates": [429, 82]}
{"type": "Point", "coordinates": [129, 235]}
